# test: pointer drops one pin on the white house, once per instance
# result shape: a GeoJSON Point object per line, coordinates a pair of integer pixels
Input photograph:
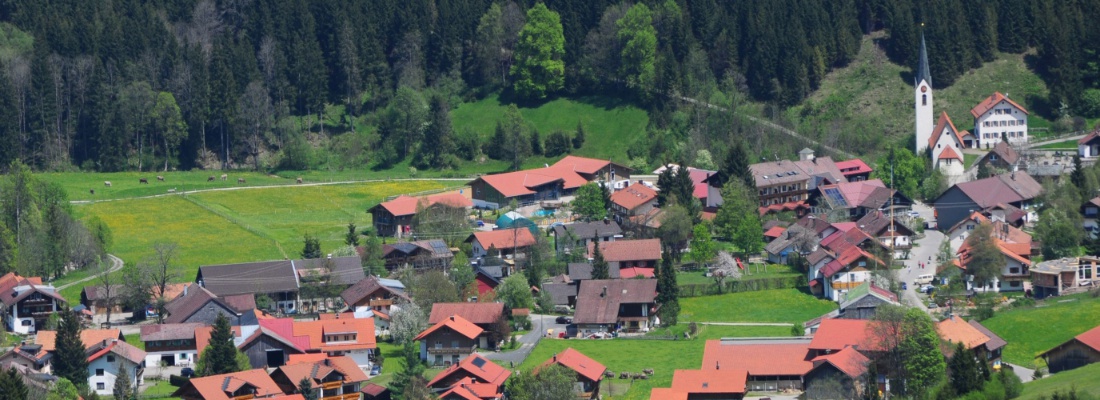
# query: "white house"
{"type": "Point", "coordinates": [170, 344]}
{"type": "Point", "coordinates": [105, 361]}
{"type": "Point", "coordinates": [947, 145]}
{"type": "Point", "coordinates": [27, 303]}
{"type": "Point", "coordinates": [998, 116]}
{"type": "Point", "coordinates": [504, 242]}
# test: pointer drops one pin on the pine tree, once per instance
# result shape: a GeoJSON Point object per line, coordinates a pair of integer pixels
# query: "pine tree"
{"type": "Point", "coordinates": [305, 387]}
{"type": "Point", "coordinates": [123, 389]}
{"type": "Point", "coordinates": [578, 138]}
{"type": "Point", "coordinates": [736, 166]}
{"type": "Point", "coordinates": [70, 361]}
{"type": "Point", "coordinates": [600, 268]}
{"type": "Point", "coordinates": [965, 374]}
{"type": "Point", "coordinates": [1077, 177]}
{"type": "Point", "coordinates": [536, 142]}
{"type": "Point", "coordinates": [220, 356]}
{"type": "Point", "coordinates": [11, 385]}
{"type": "Point", "coordinates": [668, 291]}
{"type": "Point", "coordinates": [312, 247]}
{"type": "Point", "coordinates": [352, 237]}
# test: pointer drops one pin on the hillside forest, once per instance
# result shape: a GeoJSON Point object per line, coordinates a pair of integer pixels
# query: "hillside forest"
{"type": "Point", "coordinates": [295, 84]}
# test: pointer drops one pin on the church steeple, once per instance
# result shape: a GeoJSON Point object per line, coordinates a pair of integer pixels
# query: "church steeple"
{"type": "Point", "coordinates": [922, 69]}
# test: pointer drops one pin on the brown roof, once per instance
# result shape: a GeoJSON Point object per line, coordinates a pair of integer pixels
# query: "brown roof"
{"type": "Point", "coordinates": [991, 102]}
{"type": "Point", "coordinates": [406, 205]}
{"type": "Point", "coordinates": [195, 299]}
{"type": "Point", "coordinates": [169, 331]}
{"type": "Point", "coordinates": [785, 171]}
{"type": "Point", "coordinates": [116, 346]}
{"type": "Point", "coordinates": [598, 301]}
{"type": "Point", "coordinates": [1006, 188]}
{"type": "Point", "coordinates": [760, 359]}
{"type": "Point", "coordinates": [255, 277]}
{"type": "Point", "coordinates": [340, 270]}
{"type": "Point", "coordinates": [1090, 137]}
{"type": "Point", "coordinates": [478, 313]}
{"type": "Point", "coordinates": [1006, 152]}
{"type": "Point", "coordinates": [628, 250]}
{"type": "Point", "coordinates": [455, 323]}
{"type": "Point", "coordinates": [943, 123]}
{"type": "Point", "coordinates": [634, 196]}
{"type": "Point", "coordinates": [365, 287]}
{"type": "Point", "coordinates": [504, 238]}
{"type": "Point", "coordinates": [995, 342]}
{"type": "Point", "coordinates": [580, 363]}
{"type": "Point", "coordinates": [218, 387]}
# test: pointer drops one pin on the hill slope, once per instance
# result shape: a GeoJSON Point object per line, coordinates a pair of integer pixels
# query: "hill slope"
{"type": "Point", "coordinates": [870, 101]}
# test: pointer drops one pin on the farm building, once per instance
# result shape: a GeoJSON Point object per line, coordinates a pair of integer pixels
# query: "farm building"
{"type": "Point", "coordinates": [1082, 350]}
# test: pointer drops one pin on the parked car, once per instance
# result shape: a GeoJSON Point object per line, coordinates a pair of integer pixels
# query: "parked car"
{"type": "Point", "coordinates": [187, 372]}
{"type": "Point", "coordinates": [376, 370]}
{"type": "Point", "coordinates": [904, 286]}
{"type": "Point", "coordinates": [564, 320]}
{"type": "Point", "coordinates": [927, 289]}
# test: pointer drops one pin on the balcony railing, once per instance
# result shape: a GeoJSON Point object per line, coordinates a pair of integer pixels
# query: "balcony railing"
{"type": "Point", "coordinates": [381, 303]}
{"type": "Point", "coordinates": [348, 396]}
{"type": "Point", "coordinates": [452, 350]}
{"type": "Point", "coordinates": [845, 285]}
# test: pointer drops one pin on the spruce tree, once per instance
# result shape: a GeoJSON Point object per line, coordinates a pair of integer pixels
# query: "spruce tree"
{"type": "Point", "coordinates": [305, 387]}
{"type": "Point", "coordinates": [70, 361]}
{"type": "Point", "coordinates": [220, 356]}
{"type": "Point", "coordinates": [600, 269]}
{"type": "Point", "coordinates": [536, 142]}
{"type": "Point", "coordinates": [123, 390]}
{"type": "Point", "coordinates": [668, 291]}
{"type": "Point", "coordinates": [736, 166]}
{"type": "Point", "coordinates": [578, 139]}
{"type": "Point", "coordinates": [312, 247]}
{"type": "Point", "coordinates": [11, 385]}
{"type": "Point", "coordinates": [965, 374]}
{"type": "Point", "coordinates": [352, 237]}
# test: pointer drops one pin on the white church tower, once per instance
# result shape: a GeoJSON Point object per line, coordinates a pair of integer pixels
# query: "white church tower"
{"type": "Point", "coordinates": [922, 90]}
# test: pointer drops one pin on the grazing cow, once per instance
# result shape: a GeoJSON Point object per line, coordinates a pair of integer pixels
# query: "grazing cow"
{"type": "Point", "coordinates": [609, 374]}
{"type": "Point", "coordinates": [107, 183]}
{"type": "Point", "coordinates": [172, 190]}
{"type": "Point", "coordinates": [299, 179]}
{"type": "Point", "coordinates": [210, 179]}
{"type": "Point", "coordinates": [92, 191]}
{"type": "Point", "coordinates": [240, 180]}
{"type": "Point", "coordinates": [225, 176]}
{"type": "Point", "coordinates": [143, 180]}
{"type": "Point", "coordinates": [160, 178]}
{"type": "Point", "coordinates": [648, 371]}
{"type": "Point", "coordinates": [624, 375]}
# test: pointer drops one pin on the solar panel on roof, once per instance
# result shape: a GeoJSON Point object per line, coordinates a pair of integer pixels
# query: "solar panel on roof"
{"type": "Point", "coordinates": [835, 196]}
{"type": "Point", "coordinates": [479, 362]}
{"type": "Point", "coordinates": [440, 247]}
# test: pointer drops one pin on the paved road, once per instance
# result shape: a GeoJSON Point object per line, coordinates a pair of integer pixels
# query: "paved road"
{"type": "Point", "coordinates": [527, 342]}
{"type": "Point", "coordinates": [1023, 373]}
{"type": "Point", "coordinates": [928, 248]}
{"type": "Point", "coordinates": [116, 264]}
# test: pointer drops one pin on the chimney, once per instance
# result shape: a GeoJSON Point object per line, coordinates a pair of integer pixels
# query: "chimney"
{"type": "Point", "coordinates": [717, 365]}
{"type": "Point", "coordinates": [603, 293]}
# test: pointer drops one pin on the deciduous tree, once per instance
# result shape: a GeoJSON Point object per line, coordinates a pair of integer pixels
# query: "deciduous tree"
{"type": "Point", "coordinates": [984, 261]}
{"type": "Point", "coordinates": [588, 203]}
{"type": "Point", "coordinates": [675, 230]}
{"type": "Point", "coordinates": [539, 69]}
{"type": "Point", "coordinates": [702, 246]}
{"type": "Point", "coordinates": [552, 382]}
{"type": "Point", "coordinates": [639, 53]}
{"type": "Point", "coordinates": [738, 219]}
{"type": "Point", "coordinates": [515, 293]}
{"type": "Point", "coordinates": [408, 320]}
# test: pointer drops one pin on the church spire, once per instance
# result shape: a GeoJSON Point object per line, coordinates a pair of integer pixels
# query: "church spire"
{"type": "Point", "coordinates": [922, 69]}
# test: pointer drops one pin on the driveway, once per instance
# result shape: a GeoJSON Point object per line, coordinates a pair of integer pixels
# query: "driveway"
{"type": "Point", "coordinates": [926, 251]}
{"type": "Point", "coordinates": [539, 325]}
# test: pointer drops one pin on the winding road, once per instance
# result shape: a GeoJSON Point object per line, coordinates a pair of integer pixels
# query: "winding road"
{"type": "Point", "coordinates": [116, 264]}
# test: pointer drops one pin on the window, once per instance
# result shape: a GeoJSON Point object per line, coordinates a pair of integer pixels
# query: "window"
{"type": "Point", "coordinates": [25, 322]}
{"type": "Point", "coordinates": [454, 344]}
{"type": "Point", "coordinates": [110, 358]}
{"type": "Point", "coordinates": [100, 386]}
{"type": "Point", "coordinates": [99, 372]}
{"type": "Point", "coordinates": [923, 99]}
{"type": "Point", "coordinates": [1014, 270]}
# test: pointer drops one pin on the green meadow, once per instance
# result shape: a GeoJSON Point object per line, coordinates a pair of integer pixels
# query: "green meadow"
{"type": "Point", "coordinates": [777, 306]}
{"type": "Point", "coordinates": [1033, 330]}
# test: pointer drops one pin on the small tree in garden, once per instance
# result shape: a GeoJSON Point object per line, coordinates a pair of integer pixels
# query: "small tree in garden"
{"type": "Point", "coordinates": [352, 237]}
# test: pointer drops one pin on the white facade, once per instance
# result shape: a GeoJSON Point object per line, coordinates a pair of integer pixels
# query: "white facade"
{"type": "Point", "coordinates": [179, 357]}
{"type": "Point", "coordinates": [948, 139]}
{"type": "Point", "coordinates": [24, 324]}
{"type": "Point", "coordinates": [922, 101]}
{"type": "Point", "coordinates": [850, 278]}
{"type": "Point", "coordinates": [1004, 118]}
{"type": "Point", "coordinates": [103, 371]}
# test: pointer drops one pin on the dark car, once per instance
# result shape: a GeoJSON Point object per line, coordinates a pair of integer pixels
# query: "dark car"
{"type": "Point", "coordinates": [375, 370]}
{"type": "Point", "coordinates": [564, 320]}
{"type": "Point", "coordinates": [187, 373]}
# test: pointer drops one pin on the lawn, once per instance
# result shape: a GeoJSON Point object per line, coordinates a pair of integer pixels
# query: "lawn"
{"type": "Point", "coordinates": [1083, 379]}
{"type": "Point", "coordinates": [970, 159]}
{"type": "Point", "coordinates": [221, 227]}
{"type": "Point", "coordinates": [663, 356]}
{"type": "Point", "coordinates": [158, 390]}
{"type": "Point", "coordinates": [610, 124]}
{"type": "Point", "coordinates": [1032, 330]}
{"type": "Point", "coordinates": [134, 339]}
{"type": "Point", "coordinates": [755, 271]}
{"type": "Point", "coordinates": [1063, 145]}
{"type": "Point", "coordinates": [783, 305]}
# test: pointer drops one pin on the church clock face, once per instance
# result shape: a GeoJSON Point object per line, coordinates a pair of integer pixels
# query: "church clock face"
{"type": "Point", "coordinates": [924, 89]}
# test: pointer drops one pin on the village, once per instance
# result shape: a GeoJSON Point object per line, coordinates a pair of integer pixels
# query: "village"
{"type": "Point", "coordinates": [889, 267]}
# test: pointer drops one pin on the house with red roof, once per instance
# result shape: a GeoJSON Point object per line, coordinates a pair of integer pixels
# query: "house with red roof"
{"type": "Point", "coordinates": [947, 144]}
{"type": "Point", "coordinates": [589, 372]}
{"type": "Point", "coordinates": [548, 183]}
{"type": "Point", "coordinates": [998, 116]}
{"type": "Point", "coordinates": [332, 378]}
{"type": "Point", "coordinates": [772, 365]}
{"type": "Point", "coordinates": [109, 356]}
{"type": "Point", "coordinates": [848, 367]}
{"type": "Point", "coordinates": [448, 341]}
{"type": "Point", "coordinates": [843, 261]}
{"type": "Point", "coordinates": [1089, 146]}
{"type": "Point", "coordinates": [485, 315]}
{"type": "Point", "coordinates": [703, 384]}
{"type": "Point", "coordinates": [1080, 351]}
{"type": "Point", "coordinates": [250, 384]}
{"type": "Point", "coordinates": [592, 169]}
{"type": "Point", "coordinates": [1015, 245]}
{"type": "Point", "coordinates": [475, 374]}
{"type": "Point", "coordinates": [351, 337]}
{"type": "Point", "coordinates": [394, 218]}
{"type": "Point", "coordinates": [27, 302]}
{"type": "Point", "coordinates": [853, 200]}
{"type": "Point", "coordinates": [974, 337]}
{"type": "Point", "coordinates": [854, 170]}
{"type": "Point", "coordinates": [503, 242]}
{"type": "Point", "coordinates": [632, 258]}
{"type": "Point", "coordinates": [636, 199]}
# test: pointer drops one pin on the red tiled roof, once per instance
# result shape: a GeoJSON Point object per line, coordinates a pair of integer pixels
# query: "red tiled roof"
{"type": "Point", "coordinates": [628, 250]}
{"type": "Point", "coordinates": [788, 206]}
{"type": "Point", "coordinates": [478, 313]}
{"type": "Point", "coordinates": [574, 360]}
{"type": "Point", "coordinates": [504, 238]}
{"type": "Point", "coordinates": [699, 179]}
{"type": "Point", "coordinates": [667, 394]}
{"type": "Point", "coordinates": [1090, 338]}
{"type": "Point", "coordinates": [633, 196]}
{"type": "Point", "coordinates": [488, 372]}
{"type": "Point", "coordinates": [758, 359]}
{"type": "Point", "coordinates": [316, 331]}
{"type": "Point", "coordinates": [955, 330]}
{"type": "Point", "coordinates": [90, 337]}
{"type": "Point", "coordinates": [836, 334]}
{"type": "Point", "coordinates": [407, 205]}
{"type": "Point", "coordinates": [991, 102]}
{"type": "Point", "coordinates": [942, 123]}
{"type": "Point", "coordinates": [854, 166]}
{"type": "Point", "coordinates": [317, 370]}
{"type": "Point", "coordinates": [584, 165]}
{"type": "Point", "coordinates": [714, 381]}
{"type": "Point", "coordinates": [775, 231]}
{"type": "Point", "coordinates": [883, 292]}
{"type": "Point", "coordinates": [284, 329]}
{"type": "Point", "coordinates": [949, 152]}
{"type": "Point", "coordinates": [215, 387]}
{"type": "Point", "coordinates": [849, 361]}
{"type": "Point", "coordinates": [119, 347]}
{"type": "Point", "coordinates": [467, 389]}
{"type": "Point", "coordinates": [632, 272]}
{"type": "Point", "coordinates": [1088, 138]}
{"type": "Point", "coordinates": [454, 323]}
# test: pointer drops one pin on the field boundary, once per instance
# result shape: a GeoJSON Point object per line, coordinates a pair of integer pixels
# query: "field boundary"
{"type": "Point", "coordinates": [234, 221]}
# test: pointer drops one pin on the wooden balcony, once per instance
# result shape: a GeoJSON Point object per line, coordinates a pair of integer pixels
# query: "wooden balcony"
{"type": "Point", "coordinates": [332, 385]}
{"type": "Point", "coordinates": [452, 350]}
{"type": "Point", "coordinates": [348, 396]}
{"type": "Point", "coordinates": [845, 285]}
{"type": "Point", "coordinates": [381, 303]}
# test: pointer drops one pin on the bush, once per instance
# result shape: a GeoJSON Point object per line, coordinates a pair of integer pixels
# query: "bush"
{"type": "Point", "coordinates": [1024, 302]}
{"type": "Point", "coordinates": [1013, 387]}
{"type": "Point", "coordinates": [177, 381]}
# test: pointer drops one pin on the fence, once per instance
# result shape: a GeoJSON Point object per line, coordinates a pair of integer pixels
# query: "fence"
{"type": "Point", "coordinates": [746, 285]}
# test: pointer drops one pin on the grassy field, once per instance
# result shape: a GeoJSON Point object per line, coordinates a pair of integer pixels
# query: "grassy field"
{"type": "Point", "coordinates": [635, 355]}
{"type": "Point", "coordinates": [609, 124]}
{"type": "Point", "coordinates": [872, 94]}
{"type": "Point", "coordinates": [754, 271]}
{"type": "Point", "coordinates": [1083, 379]}
{"type": "Point", "coordinates": [220, 227]}
{"type": "Point", "coordinates": [1063, 145]}
{"type": "Point", "coordinates": [1030, 331]}
{"type": "Point", "coordinates": [158, 390]}
{"type": "Point", "coordinates": [784, 305]}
